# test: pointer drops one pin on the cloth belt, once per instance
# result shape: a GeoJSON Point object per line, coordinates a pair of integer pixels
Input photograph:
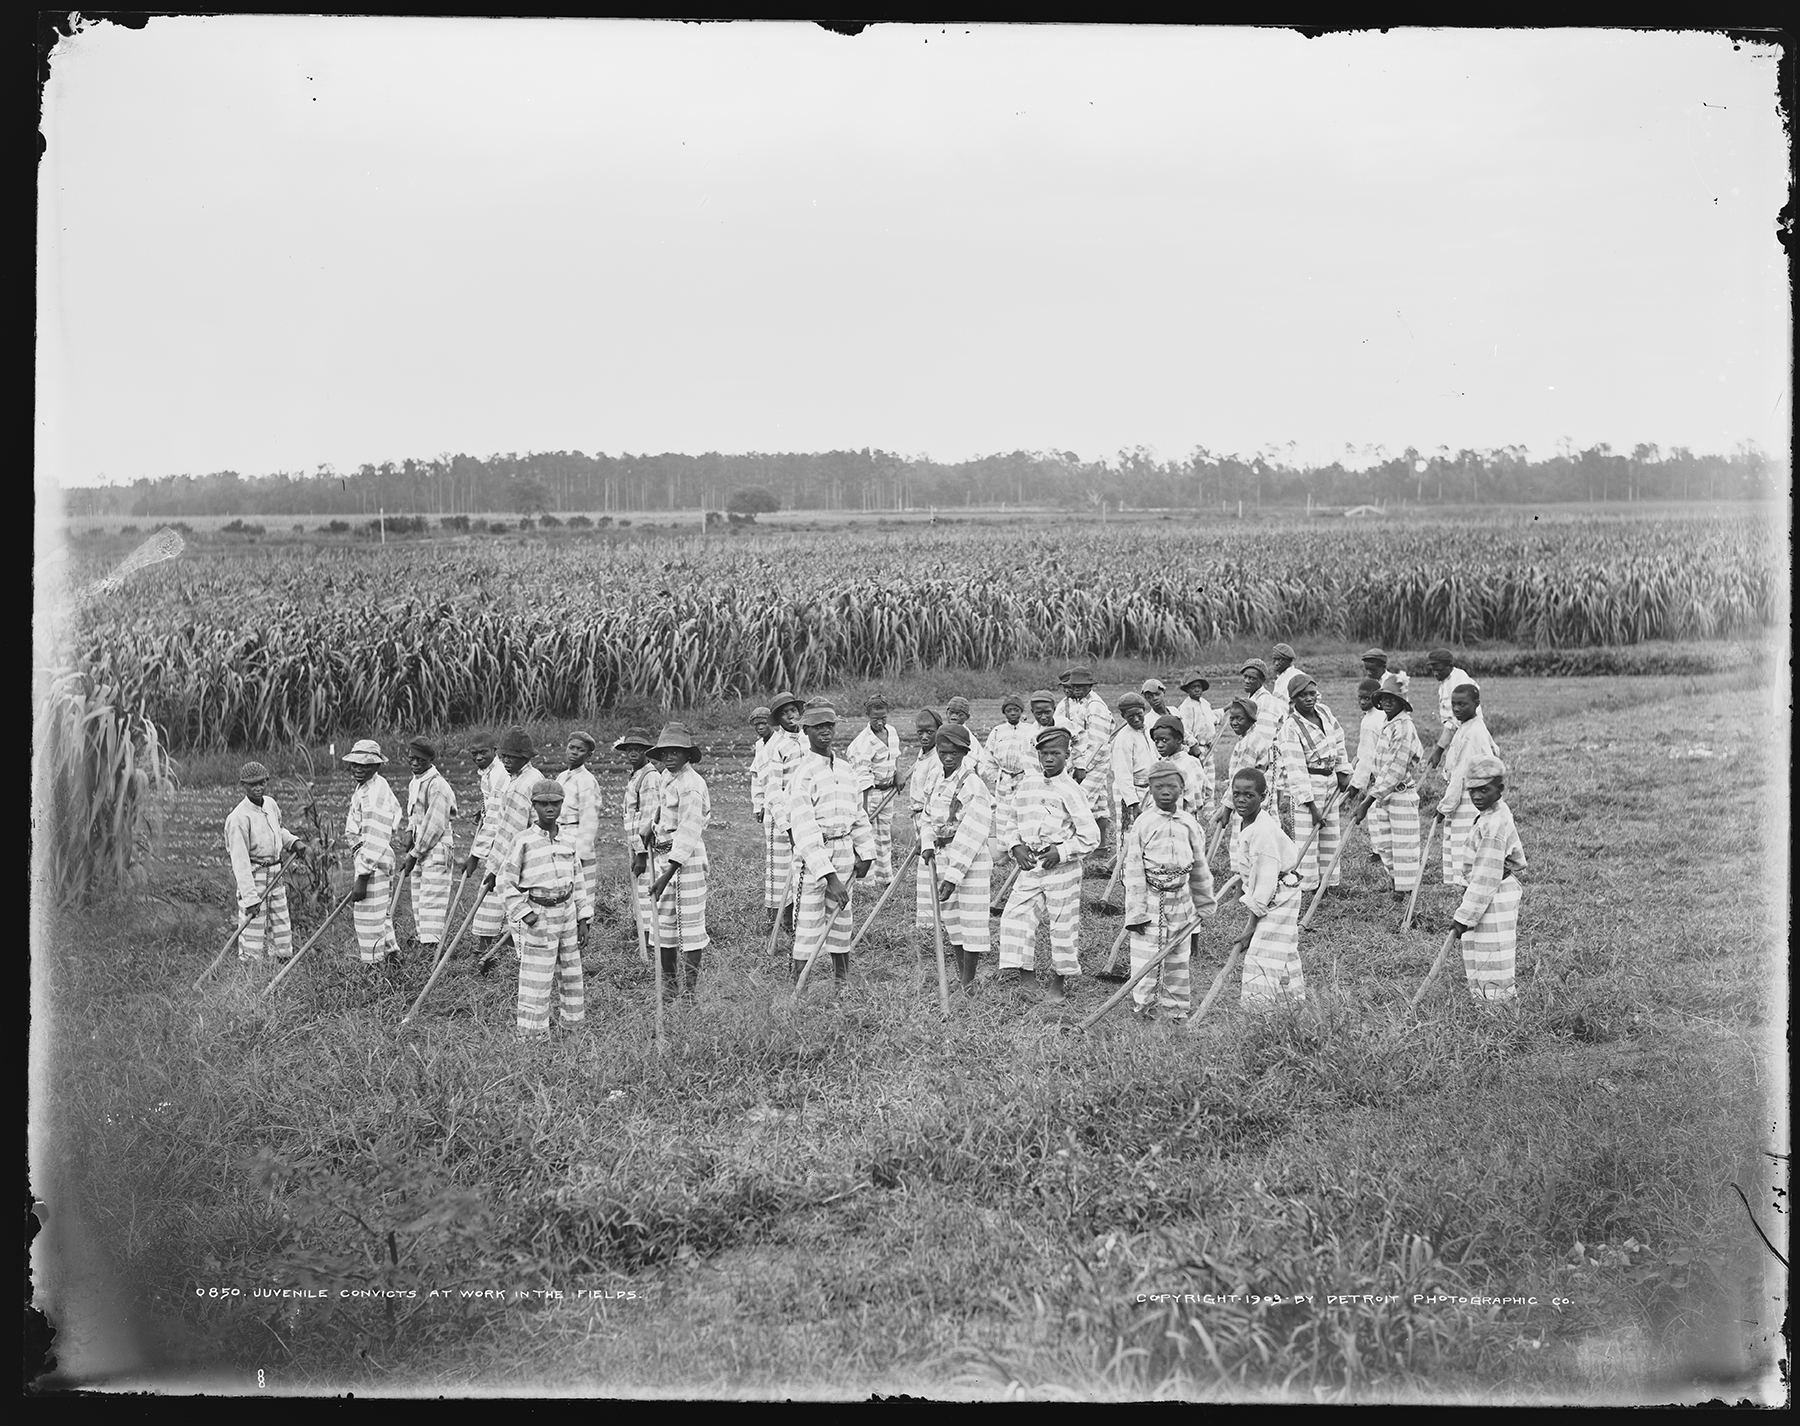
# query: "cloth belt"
{"type": "Point", "coordinates": [833, 836]}
{"type": "Point", "coordinates": [887, 786]}
{"type": "Point", "coordinates": [662, 846]}
{"type": "Point", "coordinates": [539, 898]}
{"type": "Point", "coordinates": [265, 861]}
{"type": "Point", "coordinates": [1325, 771]}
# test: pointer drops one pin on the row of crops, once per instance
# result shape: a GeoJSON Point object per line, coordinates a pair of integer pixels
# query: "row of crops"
{"type": "Point", "coordinates": [274, 645]}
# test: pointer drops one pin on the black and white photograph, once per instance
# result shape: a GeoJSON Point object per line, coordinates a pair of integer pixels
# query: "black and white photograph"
{"type": "Point", "coordinates": [857, 711]}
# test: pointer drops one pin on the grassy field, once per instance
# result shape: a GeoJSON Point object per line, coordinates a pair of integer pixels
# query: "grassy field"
{"type": "Point", "coordinates": [849, 1196]}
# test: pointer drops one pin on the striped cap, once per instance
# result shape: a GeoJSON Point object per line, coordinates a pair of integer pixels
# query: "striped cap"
{"type": "Point", "coordinates": [253, 772]}
{"type": "Point", "coordinates": [1482, 771]}
{"type": "Point", "coordinates": [958, 704]}
{"type": "Point", "coordinates": [818, 716]}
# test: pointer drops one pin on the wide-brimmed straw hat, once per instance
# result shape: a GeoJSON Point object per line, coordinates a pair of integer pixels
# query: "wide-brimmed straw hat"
{"type": "Point", "coordinates": [366, 751]}
{"type": "Point", "coordinates": [1394, 685]}
{"type": "Point", "coordinates": [637, 737]}
{"type": "Point", "coordinates": [1189, 677]}
{"type": "Point", "coordinates": [780, 701]}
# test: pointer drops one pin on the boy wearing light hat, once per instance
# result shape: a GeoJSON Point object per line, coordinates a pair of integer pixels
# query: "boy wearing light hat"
{"type": "Point", "coordinates": [581, 808]}
{"type": "Point", "coordinates": [833, 847]}
{"type": "Point", "coordinates": [255, 842]}
{"type": "Point", "coordinates": [1368, 738]}
{"type": "Point", "coordinates": [874, 757]}
{"type": "Point", "coordinates": [1048, 828]}
{"type": "Point", "coordinates": [1167, 884]}
{"type": "Point", "coordinates": [925, 774]}
{"type": "Point", "coordinates": [431, 842]}
{"type": "Point", "coordinates": [545, 894]}
{"type": "Point", "coordinates": [764, 727]}
{"type": "Point", "coordinates": [369, 833]}
{"type": "Point", "coordinates": [1154, 690]}
{"type": "Point", "coordinates": [1200, 724]}
{"type": "Point", "coordinates": [512, 816]}
{"type": "Point", "coordinates": [1393, 794]}
{"type": "Point", "coordinates": [1006, 754]}
{"type": "Point", "coordinates": [1442, 665]}
{"type": "Point", "coordinates": [680, 856]}
{"type": "Point", "coordinates": [643, 795]}
{"type": "Point", "coordinates": [1133, 755]}
{"type": "Point", "coordinates": [1487, 921]}
{"type": "Point", "coordinates": [954, 843]}
{"type": "Point", "coordinates": [1455, 809]}
{"type": "Point", "coordinates": [1090, 724]}
{"type": "Point", "coordinates": [1316, 763]}
{"type": "Point", "coordinates": [957, 711]}
{"type": "Point", "coordinates": [785, 750]}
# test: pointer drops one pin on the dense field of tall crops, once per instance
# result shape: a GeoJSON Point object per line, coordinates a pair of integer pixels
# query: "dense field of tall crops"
{"type": "Point", "coordinates": [277, 644]}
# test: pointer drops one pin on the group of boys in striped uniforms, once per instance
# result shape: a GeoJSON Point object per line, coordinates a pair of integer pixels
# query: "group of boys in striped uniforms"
{"type": "Point", "coordinates": [1041, 793]}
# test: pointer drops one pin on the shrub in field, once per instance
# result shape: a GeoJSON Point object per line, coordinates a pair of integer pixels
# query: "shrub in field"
{"type": "Point", "coordinates": [459, 523]}
{"type": "Point", "coordinates": [299, 529]}
{"type": "Point", "coordinates": [580, 522]}
{"type": "Point", "coordinates": [101, 778]}
{"type": "Point", "coordinates": [238, 527]}
{"type": "Point", "coordinates": [338, 527]}
{"type": "Point", "coordinates": [133, 529]}
{"type": "Point", "coordinates": [550, 522]}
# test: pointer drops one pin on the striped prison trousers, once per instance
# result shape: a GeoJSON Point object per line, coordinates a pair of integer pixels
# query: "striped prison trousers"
{"type": "Point", "coordinates": [1324, 846]}
{"type": "Point", "coordinates": [881, 869]}
{"type": "Point", "coordinates": [1396, 837]}
{"type": "Point", "coordinates": [966, 912]}
{"type": "Point", "coordinates": [778, 858]}
{"type": "Point", "coordinates": [374, 928]}
{"type": "Point", "coordinates": [270, 931]}
{"type": "Point", "coordinates": [1056, 893]}
{"type": "Point", "coordinates": [817, 927]}
{"type": "Point", "coordinates": [549, 952]}
{"type": "Point", "coordinates": [1489, 950]}
{"type": "Point", "coordinates": [1272, 964]}
{"type": "Point", "coordinates": [1459, 827]}
{"type": "Point", "coordinates": [681, 914]}
{"type": "Point", "coordinates": [1169, 989]}
{"type": "Point", "coordinates": [431, 894]}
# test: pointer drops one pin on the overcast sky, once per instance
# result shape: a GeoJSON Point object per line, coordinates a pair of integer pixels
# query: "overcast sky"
{"type": "Point", "coordinates": [271, 242]}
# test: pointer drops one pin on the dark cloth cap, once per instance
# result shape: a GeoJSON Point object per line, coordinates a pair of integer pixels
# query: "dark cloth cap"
{"type": "Point", "coordinates": [423, 748]}
{"type": "Point", "coordinates": [1171, 722]}
{"type": "Point", "coordinates": [925, 715]}
{"type": "Point", "coordinates": [1249, 708]}
{"type": "Point", "coordinates": [585, 737]}
{"type": "Point", "coordinates": [1442, 655]}
{"type": "Point", "coordinates": [954, 735]}
{"type": "Point", "coordinates": [818, 716]}
{"type": "Point", "coordinates": [636, 737]}
{"type": "Point", "coordinates": [516, 742]}
{"type": "Point", "coordinates": [1132, 700]}
{"type": "Point", "coordinates": [1046, 736]}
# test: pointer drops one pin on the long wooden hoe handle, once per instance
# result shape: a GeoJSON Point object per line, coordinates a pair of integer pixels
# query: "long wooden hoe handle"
{"type": "Point", "coordinates": [1424, 857]}
{"type": "Point", "coordinates": [881, 901]}
{"type": "Point", "coordinates": [444, 959]}
{"type": "Point", "coordinates": [999, 902]}
{"type": "Point", "coordinates": [285, 970]}
{"type": "Point", "coordinates": [787, 895]}
{"type": "Point", "coordinates": [656, 951]}
{"type": "Point", "coordinates": [1324, 882]}
{"type": "Point", "coordinates": [1436, 966]}
{"type": "Point", "coordinates": [274, 880]}
{"type": "Point", "coordinates": [1237, 954]}
{"type": "Point", "coordinates": [937, 918]}
{"type": "Point", "coordinates": [813, 954]}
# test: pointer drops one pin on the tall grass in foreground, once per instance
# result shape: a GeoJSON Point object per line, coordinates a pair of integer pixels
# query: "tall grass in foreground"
{"type": "Point", "coordinates": [100, 779]}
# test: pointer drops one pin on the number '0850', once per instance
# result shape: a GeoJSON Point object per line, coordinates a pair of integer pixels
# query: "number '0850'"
{"type": "Point", "coordinates": [218, 1292]}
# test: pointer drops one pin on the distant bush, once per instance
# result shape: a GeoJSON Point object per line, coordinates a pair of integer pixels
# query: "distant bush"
{"type": "Point", "coordinates": [753, 500]}
{"type": "Point", "coordinates": [128, 529]}
{"type": "Point", "coordinates": [179, 526]}
{"type": "Point", "coordinates": [406, 525]}
{"type": "Point", "coordinates": [550, 522]}
{"type": "Point", "coordinates": [606, 520]}
{"type": "Point", "coordinates": [498, 527]}
{"type": "Point", "coordinates": [459, 523]}
{"type": "Point", "coordinates": [624, 523]}
{"type": "Point", "coordinates": [238, 527]}
{"type": "Point", "coordinates": [579, 522]}
{"type": "Point", "coordinates": [338, 527]}
{"type": "Point", "coordinates": [714, 519]}
{"type": "Point", "coordinates": [478, 527]}
{"type": "Point", "coordinates": [299, 529]}
{"type": "Point", "coordinates": [528, 523]}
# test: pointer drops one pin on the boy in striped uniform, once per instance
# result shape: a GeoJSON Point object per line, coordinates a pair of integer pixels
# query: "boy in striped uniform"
{"type": "Point", "coordinates": [1048, 828]}
{"type": "Point", "coordinates": [1455, 809]}
{"type": "Point", "coordinates": [1154, 690]}
{"type": "Point", "coordinates": [1090, 724]}
{"type": "Point", "coordinates": [958, 711]}
{"type": "Point", "coordinates": [1316, 763]}
{"type": "Point", "coordinates": [1393, 793]}
{"type": "Point", "coordinates": [1251, 750]}
{"type": "Point", "coordinates": [1487, 922]}
{"type": "Point", "coordinates": [1270, 710]}
{"type": "Point", "coordinates": [1167, 884]}
{"type": "Point", "coordinates": [925, 774]}
{"type": "Point", "coordinates": [490, 781]}
{"type": "Point", "coordinates": [1442, 665]}
{"type": "Point", "coordinates": [1132, 755]}
{"type": "Point", "coordinates": [1169, 734]}
{"type": "Point", "coordinates": [1200, 725]}
{"type": "Point", "coordinates": [955, 840]}
{"type": "Point", "coordinates": [255, 841]}
{"type": "Point", "coordinates": [833, 846]}
{"type": "Point", "coordinates": [680, 856]}
{"type": "Point", "coordinates": [512, 816]}
{"type": "Point", "coordinates": [643, 795]}
{"type": "Point", "coordinates": [1368, 738]}
{"type": "Point", "coordinates": [764, 727]}
{"type": "Point", "coordinates": [1264, 857]}
{"type": "Point", "coordinates": [874, 756]}
{"type": "Point", "coordinates": [369, 833]}
{"type": "Point", "coordinates": [785, 749]}
{"type": "Point", "coordinates": [581, 808]}
{"type": "Point", "coordinates": [1008, 749]}
{"type": "Point", "coordinates": [545, 894]}
{"type": "Point", "coordinates": [431, 843]}
{"type": "Point", "coordinates": [1281, 684]}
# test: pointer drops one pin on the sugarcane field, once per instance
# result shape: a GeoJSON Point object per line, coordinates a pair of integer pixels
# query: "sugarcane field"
{"type": "Point", "coordinates": [823, 923]}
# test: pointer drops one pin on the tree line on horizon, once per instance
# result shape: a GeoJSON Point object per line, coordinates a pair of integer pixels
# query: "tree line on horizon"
{"type": "Point", "coordinates": [553, 482]}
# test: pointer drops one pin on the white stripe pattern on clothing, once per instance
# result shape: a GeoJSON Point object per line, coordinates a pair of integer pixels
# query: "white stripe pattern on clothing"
{"type": "Point", "coordinates": [511, 817]}
{"type": "Point", "coordinates": [681, 838]}
{"type": "Point", "coordinates": [1260, 854]}
{"type": "Point", "coordinates": [966, 859]}
{"type": "Point", "coordinates": [1490, 905]}
{"type": "Point", "coordinates": [1164, 846]}
{"type": "Point", "coordinates": [270, 931]}
{"type": "Point", "coordinates": [254, 837]}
